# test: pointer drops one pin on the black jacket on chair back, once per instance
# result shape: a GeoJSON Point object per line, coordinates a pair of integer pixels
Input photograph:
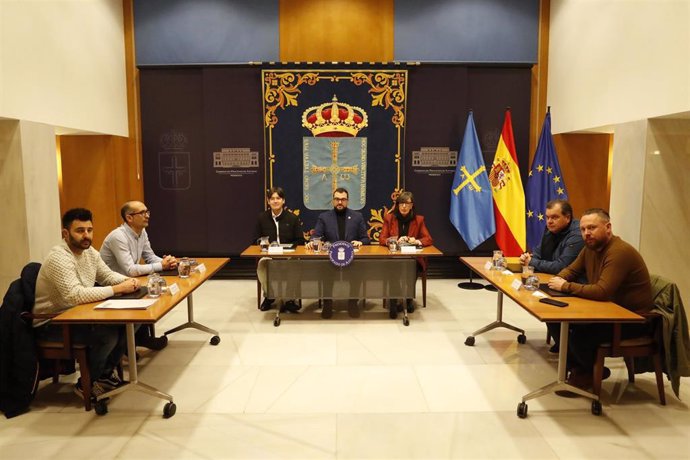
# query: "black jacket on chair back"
{"type": "Point", "coordinates": [18, 358]}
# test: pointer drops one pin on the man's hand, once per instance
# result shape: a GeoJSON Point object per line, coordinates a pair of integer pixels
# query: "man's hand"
{"type": "Point", "coordinates": [556, 283]}
{"type": "Point", "coordinates": [128, 285]}
{"type": "Point", "coordinates": [169, 262]}
{"type": "Point", "coordinates": [356, 243]}
{"type": "Point", "coordinates": [525, 258]}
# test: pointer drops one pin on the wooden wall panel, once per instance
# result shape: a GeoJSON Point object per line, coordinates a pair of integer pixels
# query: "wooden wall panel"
{"type": "Point", "coordinates": [585, 164]}
{"type": "Point", "coordinates": [336, 30]}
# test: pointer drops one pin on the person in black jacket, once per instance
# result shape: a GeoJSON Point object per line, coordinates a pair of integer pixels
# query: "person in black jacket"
{"type": "Point", "coordinates": [18, 356]}
{"type": "Point", "coordinates": [283, 227]}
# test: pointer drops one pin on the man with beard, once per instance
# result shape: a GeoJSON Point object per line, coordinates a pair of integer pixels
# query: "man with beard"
{"type": "Point", "coordinates": [559, 247]}
{"type": "Point", "coordinates": [341, 224]}
{"type": "Point", "coordinates": [615, 272]}
{"type": "Point", "coordinates": [66, 279]}
{"type": "Point", "coordinates": [124, 248]}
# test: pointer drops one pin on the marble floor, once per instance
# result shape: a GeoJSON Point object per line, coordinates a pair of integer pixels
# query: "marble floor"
{"type": "Point", "coordinates": [352, 388]}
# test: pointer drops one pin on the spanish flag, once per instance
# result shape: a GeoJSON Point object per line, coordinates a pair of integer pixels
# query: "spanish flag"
{"type": "Point", "coordinates": [508, 194]}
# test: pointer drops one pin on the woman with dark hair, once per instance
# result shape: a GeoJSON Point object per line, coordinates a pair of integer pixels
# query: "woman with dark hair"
{"type": "Point", "coordinates": [410, 228]}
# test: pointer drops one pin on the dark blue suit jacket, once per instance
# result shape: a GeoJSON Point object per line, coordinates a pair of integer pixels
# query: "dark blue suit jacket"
{"type": "Point", "coordinates": [355, 229]}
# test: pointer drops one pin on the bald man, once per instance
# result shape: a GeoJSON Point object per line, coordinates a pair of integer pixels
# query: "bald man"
{"type": "Point", "coordinates": [125, 247]}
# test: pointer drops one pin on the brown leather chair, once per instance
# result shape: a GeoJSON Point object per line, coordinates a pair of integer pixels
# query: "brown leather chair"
{"type": "Point", "coordinates": [65, 350]}
{"type": "Point", "coordinates": [648, 345]}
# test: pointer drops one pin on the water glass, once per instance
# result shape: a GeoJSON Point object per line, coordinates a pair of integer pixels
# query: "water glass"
{"type": "Point", "coordinates": [263, 243]}
{"type": "Point", "coordinates": [153, 285]}
{"type": "Point", "coordinates": [497, 261]}
{"type": "Point", "coordinates": [316, 244]}
{"type": "Point", "coordinates": [529, 279]}
{"type": "Point", "coordinates": [184, 268]}
{"type": "Point", "coordinates": [392, 243]}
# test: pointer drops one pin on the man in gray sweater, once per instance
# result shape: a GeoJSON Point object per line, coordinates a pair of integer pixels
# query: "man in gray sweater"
{"type": "Point", "coordinates": [66, 279]}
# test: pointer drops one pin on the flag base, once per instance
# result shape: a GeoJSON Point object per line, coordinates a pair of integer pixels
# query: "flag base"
{"type": "Point", "coordinates": [470, 285]}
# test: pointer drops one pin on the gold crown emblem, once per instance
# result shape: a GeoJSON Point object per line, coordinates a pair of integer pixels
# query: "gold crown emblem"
{"type": "Point", "coordinates": [337, 119]}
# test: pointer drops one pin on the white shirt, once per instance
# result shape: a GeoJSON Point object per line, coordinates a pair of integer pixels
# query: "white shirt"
{"type": "Point", "coordinates": [123, 249]}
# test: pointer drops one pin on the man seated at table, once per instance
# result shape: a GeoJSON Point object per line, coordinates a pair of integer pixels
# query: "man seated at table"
{"type": "Point", "coordinates": [341, 224]}
{"type": "Point", "coordinates": [560, 245]}
{"type": "Point", "coordinates": [124, 248]}
{"type": "Point", "coordinates": [615, 272]}
{"type": "Point", "coordinates": [410, 228]}
{"type": "Point", "coordinates": [66, 279]}
{"type": "Point", "coordinates": [283, 227]}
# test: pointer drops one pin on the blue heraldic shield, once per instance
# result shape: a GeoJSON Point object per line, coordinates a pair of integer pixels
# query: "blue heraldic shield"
{"type": "Point", "coordinates": [330, 163]}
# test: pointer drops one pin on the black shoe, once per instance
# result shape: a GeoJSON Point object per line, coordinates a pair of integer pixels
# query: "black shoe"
{"type": "Point", "coordinates": [554, 349]}
{"type": "Point", "coordinates": [153, 343]}
{"type": "Point", "coordinates": [410, 305]}
{"type": "Point", "coordinates": [327, 310]}
{"type": "Point", "coordinates": [291, 306]}
{"type": "Point", "coordinates": [266, 304]}
{"type": "Point", "coordinates": [392, 309]}
{"type": "Point", "coordinates": [353, 308]}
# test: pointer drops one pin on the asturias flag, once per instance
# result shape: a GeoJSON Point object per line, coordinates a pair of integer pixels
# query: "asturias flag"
{"type": "Point", "coordinates": [509, 196]}
{"type": "Point", "coordinates": [545, 183]}
{"type": "Point", "coordinates": [471, 210]}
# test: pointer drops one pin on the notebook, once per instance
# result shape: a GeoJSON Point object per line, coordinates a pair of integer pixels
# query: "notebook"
{"type": "Point", "coordinates": [552, 292]}
{"type": "Point", "coordinates": [138, 294]}
{"type": "Point", "coordinates": [172, 272]}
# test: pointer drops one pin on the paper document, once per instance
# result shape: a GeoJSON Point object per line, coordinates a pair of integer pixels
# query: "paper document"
{"type": "Point", "coordinates": [132, 304]}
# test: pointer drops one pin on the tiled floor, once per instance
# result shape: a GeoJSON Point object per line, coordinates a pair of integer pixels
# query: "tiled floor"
{"type": "Point", "coordinates": [352, 388]}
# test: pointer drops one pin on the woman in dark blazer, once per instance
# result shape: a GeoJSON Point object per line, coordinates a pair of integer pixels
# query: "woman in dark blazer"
{"type": "Point", "coordinates": [410, 228]}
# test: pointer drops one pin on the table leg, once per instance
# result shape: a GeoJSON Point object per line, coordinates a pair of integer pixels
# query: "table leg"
{"type": "Point", "coordinates": [560, 383]}
{"type": "Point", "coordinates": [496, 324]}
{"type": "Point", "coordinates": [215, 340]}
{"type": "Point", "coordinates": [133, 383]}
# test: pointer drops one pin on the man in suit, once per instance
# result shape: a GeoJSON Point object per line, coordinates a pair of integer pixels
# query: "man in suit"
{"type": "Point", "coordinates": [341, 224]}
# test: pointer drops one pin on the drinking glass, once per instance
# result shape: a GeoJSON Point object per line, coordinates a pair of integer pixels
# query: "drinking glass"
{"type": "Point", "coordinates": [392, 243]}
{"type": "Point", "coordinates": [497, 262]}
{"type": "Point", "coordinates": [263, 243]}
{"type": "Point", "coordinates": [184, 268]}
{"type": "Point", "coordinates": [316, 244]}
{"type": "Point", "coordinates": [153, 285]}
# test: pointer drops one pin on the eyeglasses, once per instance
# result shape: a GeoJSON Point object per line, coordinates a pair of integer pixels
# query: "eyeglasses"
{"type": "Point", "coordinates": [145, 212]}
{"type": "Point", "coordinates": [340, 199]}
{"type": "Point", "coordinates": [407, 203]}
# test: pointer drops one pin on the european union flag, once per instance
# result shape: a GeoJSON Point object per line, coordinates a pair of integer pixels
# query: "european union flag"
{"type": "Point", "coordinates": [471, 202]}
{"type": "Point", "coordinates": [545, 183]}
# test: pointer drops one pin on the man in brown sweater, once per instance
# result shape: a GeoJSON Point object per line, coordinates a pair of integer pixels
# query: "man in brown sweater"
{"type": "Point", "coordinates": [615, 272]}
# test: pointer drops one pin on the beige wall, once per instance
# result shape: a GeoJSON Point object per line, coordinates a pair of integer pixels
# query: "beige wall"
{"type": "Point", "coordinates": [28, 195]}
{"type": "Point", "coordinates": [63, 64]}
{"type": "Point", "coordinates": [615, 61]}
{"type": "Point", "coordinates": [665, 218]}
{"type": "Point", "coordinates": [627, 180]}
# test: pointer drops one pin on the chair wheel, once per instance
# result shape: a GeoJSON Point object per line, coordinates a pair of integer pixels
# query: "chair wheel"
{"type": "Point", "coordinates": [101, 407]}
{"type": "Point", "coordinates": [215, 340]}
{"type": "Point", "coordinates": [169, 409]}
{"type": "Point", "coordinates": [522, 339]}
{"type": "Point", "coordinates": [406, 321]}
{"type": "Point", "coordinates": [522, 410]}
{"type": "Point", "coordinates": [596, 407]}
{"type": "Point", "coordinates": [276, 322]}
{"type": "Point", "coordinates": [469, 341]}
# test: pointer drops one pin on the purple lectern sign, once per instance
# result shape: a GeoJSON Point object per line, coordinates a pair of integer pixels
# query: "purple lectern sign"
{"type": "Point", "coordinates": [341, 254]}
